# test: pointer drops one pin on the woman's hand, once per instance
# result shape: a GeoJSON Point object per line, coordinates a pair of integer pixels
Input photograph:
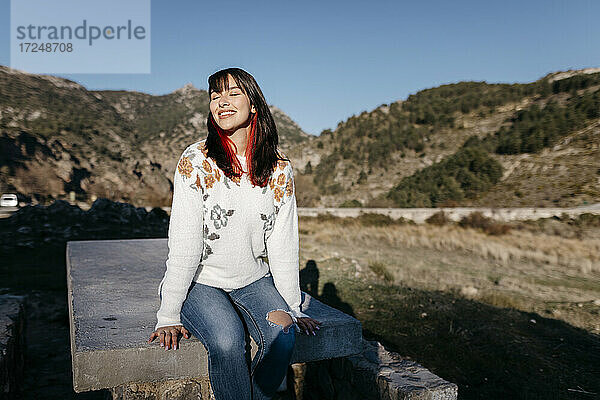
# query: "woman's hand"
{"type": "Point", "coordinates": [169, 335]}
{"type": "Point", "coordinates": [308, 325]}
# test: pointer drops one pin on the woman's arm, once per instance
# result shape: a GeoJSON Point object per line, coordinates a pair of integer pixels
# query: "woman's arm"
{"type": "Point", "coordinates": [283, 245]}
{"type": "Point", "coordinates": [185, 240]}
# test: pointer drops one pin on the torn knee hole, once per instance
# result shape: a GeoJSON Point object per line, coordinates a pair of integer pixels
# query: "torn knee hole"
{"type": "Point", "coordinates": [281, 318]}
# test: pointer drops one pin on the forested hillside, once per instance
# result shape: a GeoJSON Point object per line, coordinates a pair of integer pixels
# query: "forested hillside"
{"type": "Point", "coordinates": [468, 143]}
{"type": "Point", "coordinates": [465, 143]}
{"type": "Point", "coordinates": [56, 137]}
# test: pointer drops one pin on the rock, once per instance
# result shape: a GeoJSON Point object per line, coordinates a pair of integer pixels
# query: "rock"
{"type": "Point", "coordinates": [12, 351]}
{"type": "Point", "coordinates": [375, 373]}
{"type": "Point", "coordinates": [54, 225]}
{"type": "Point", "coordinates": [469, 291]}
{"type": "Point", "coordinates": [166, 390]}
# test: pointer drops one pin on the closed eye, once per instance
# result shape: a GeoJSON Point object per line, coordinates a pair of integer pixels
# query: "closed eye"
{"type": "Point", "coordinates": [232, 94]}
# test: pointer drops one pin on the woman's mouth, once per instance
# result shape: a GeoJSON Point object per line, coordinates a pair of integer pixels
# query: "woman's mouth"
{"type": "Point", "coordinates": [226, 114]}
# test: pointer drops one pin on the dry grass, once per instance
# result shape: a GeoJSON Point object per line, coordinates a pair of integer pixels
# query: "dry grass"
{"type": "Point", "coordinates": [512, 316]}
{"type": "Point", "coordinates": [581, 255]}
{"type": "Point", "coordinates": [381, 270]}
{"type": "Point", "coordinates": [520, 269]}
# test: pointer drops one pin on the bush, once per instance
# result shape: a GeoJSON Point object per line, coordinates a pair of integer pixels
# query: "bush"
{"type": "Point", "coordinates": [375, 219]}
{"type": "Point", "coordinates": [362, 178]}
{"type": "Point", "coordinates": [535, 128]}
{"type": "Point", "coordinates": [381, 271]}
{"type": "Point", "coordinates": [475, 220]}
{"type": "Point", "coordinates": [464, 174]}
{"type": "Point", "coordinates": [497, 229]}
{"type": "Point", "coordinates": [439, 218]}
{"type": "Point", "coordinates": [351, 204]}
{"type": "Point", "coordinates": [328, 217]}
{"type": "Point", "coordinates": [308, 169]}
{"type": "Point", "coordinates": [364, 219]}
{"type": "Point", "coordinates": [334, 188]}
{"type": "Point", "coordinates": [488, 225]}
{"type": "Point", "coordinates": [587, 220]}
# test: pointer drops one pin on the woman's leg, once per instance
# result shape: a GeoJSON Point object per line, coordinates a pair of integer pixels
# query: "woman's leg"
{"type": "Point", "coordinates": [264, 311]}
{"type": "Point", "coordinates": [209, 314]}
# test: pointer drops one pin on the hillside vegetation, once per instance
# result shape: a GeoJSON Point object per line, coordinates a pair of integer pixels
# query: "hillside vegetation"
{"type": "Point", "coordinates": [412, 153]}
{"type": "Point", "coordinates": [465, 143]}
{"type": "Point", "coordinates": [56, 137]}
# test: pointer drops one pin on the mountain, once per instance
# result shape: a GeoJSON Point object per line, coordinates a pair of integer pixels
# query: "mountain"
{"type": "Point", "coordinates": [469, 143]}
{"type": "Point", "coordinates": [56, 136]}
{"type": "Point", "coordinates": [466, 143]}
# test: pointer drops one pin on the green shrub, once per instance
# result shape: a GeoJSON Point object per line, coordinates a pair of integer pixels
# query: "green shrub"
{"type": "Point", "coordinates": [381, 271]}
{"type": "Point", "coordinates": [376, 219]}
{"type": "Point", "coordinates": [465, 174]}
{"type": "Point", "coordinates": [351, 204]}
{"type": "Point", "coordinates": [587, 220]}
{"type": "Point", "coordinates": [362, 177]}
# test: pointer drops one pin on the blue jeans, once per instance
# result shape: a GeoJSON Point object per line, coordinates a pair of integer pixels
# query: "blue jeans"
{"type": "Point", "coordinates": [217, 317]}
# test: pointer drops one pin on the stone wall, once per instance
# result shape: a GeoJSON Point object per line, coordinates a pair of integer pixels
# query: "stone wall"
{"type": "Point", "coordinates": [180, 389]}
{"type": "Point", "coordinates": [373, 374]}
{"type": "Point", "coordinates": [419, 215]}
{"type": "Point", "coordinates": [12, 345]}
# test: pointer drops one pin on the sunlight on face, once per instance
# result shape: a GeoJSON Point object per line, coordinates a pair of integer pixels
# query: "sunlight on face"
{"type": "Point", "coordinates": [230, 108]}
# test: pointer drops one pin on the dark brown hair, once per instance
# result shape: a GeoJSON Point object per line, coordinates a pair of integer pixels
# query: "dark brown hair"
{"type": "Point", "coordinates": [262, 152]}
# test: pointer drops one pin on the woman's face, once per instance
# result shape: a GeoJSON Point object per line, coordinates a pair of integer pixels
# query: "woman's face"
{"type": "Point", "coordinates": [231, 109]}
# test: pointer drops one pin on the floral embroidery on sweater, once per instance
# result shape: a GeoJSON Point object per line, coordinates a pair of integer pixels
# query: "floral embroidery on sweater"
{"type": "Point", "coordinates": [209, 180]}
{"type": "Point", "coordinates": [281, 184]}
{"type": "Point", "coordinates": [219, 216]}
{"type": "Point", "coordinates": [208, 174]}
{"type": "Point", "coordinates": [207, 248]}
{"type": "Point", "coordinates": [211, 172]}
{"type": "Point", "coordinates": [206, 166]}
{"type": "Point", "coordinates": [185, 167]}
{"type": "Point", "coordinates": [203, 215]}
{"type": "Point", "coordinates": [269, 221]}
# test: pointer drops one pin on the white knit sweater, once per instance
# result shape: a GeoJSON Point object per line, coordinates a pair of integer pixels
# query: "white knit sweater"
{"type": "Point", "coordinates": [220, 229]}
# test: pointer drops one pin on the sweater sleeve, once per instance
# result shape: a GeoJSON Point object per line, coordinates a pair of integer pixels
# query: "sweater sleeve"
{"type": "Point", "coordinates": [283, 246]}
{"type": "Point", "coordinates": [185, 241]}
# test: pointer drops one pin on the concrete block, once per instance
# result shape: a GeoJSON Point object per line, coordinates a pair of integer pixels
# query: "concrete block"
{"type": "Point", "coordinates": [112, 288]}
{"type": "Point", "coordinates": [12, 344]}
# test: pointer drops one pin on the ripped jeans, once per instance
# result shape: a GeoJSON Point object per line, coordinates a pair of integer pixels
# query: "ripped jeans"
{"type": "Point", "coordinates": [215, 317]}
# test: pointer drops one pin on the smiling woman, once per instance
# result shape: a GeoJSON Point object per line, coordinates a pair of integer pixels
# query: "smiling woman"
{"type": "Point", "coordinates": [233, 206]}
{"type": "Point", "coordinates": [241, 123]}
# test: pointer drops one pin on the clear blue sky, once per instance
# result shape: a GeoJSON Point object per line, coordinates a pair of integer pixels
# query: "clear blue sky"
{"type": "Point", "coordinates": [322, 62]}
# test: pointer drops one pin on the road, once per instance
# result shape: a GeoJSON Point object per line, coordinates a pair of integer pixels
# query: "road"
{"type": "Point", "coordinates": [418, 215]}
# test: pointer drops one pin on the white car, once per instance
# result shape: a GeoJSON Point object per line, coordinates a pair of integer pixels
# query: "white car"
{"type": "Point", "coordinates": [8, 200]}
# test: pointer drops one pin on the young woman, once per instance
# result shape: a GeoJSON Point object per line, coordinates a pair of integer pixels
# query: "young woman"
{"type": "Point", "coordinates": [233, 206]}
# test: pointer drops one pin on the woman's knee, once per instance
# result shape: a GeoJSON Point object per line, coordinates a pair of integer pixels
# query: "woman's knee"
{"type": "Point", "coordinates": [220, 334]}
{"type": "Point", "coordinates": [282, 334]}
{"type": "Point", "coordinates": [227, 343]}
{"type": "Point", "coordinates": [280, 318]}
